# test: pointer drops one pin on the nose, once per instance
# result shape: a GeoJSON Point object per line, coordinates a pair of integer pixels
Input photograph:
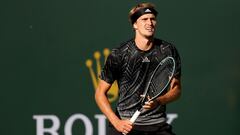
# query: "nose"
{"type": "Point", "coordinates": [149, 21]}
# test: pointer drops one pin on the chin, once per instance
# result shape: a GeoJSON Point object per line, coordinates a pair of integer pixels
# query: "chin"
{"type": "Point", "coordinates": [149, 35]}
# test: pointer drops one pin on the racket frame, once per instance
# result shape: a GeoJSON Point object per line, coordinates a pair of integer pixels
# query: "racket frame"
{"type": "Point", "coordinates": [138, 112]}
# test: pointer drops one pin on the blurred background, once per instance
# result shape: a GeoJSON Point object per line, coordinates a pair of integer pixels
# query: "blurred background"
{"type": "Point", "coordinates": [46, 86]}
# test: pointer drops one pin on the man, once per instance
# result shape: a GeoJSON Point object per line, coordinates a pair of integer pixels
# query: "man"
{"type": "Point", "coordinates": [127, 65]}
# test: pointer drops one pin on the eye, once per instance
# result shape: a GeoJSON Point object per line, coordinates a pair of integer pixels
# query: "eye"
{"type": "Point", "coordinates": [153, 19]}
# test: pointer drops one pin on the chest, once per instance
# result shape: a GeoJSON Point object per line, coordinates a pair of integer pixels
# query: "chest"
{"type": "Point", "coordinates": [137, 64]}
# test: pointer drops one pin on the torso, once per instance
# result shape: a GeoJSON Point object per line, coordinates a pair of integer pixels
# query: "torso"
{"type": "Point", "coordinates": [134, 67]}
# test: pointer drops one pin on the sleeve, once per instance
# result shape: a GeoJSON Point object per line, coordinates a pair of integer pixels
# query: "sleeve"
{"type": "Point", "coordinates": [170, 50]}
{"type": "Point", "coordinates": [177, 58]}
{"type": "Point", "coordinates": [110, 70]}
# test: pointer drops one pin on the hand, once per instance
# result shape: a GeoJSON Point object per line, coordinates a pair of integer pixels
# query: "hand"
{"type": "Point", "coordinates": [150, 104]}
{"type": "Point", "coordinates": [123, 126]}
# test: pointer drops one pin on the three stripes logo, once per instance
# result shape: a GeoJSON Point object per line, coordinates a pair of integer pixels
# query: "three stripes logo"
{"type": "Point", "coordinates": [148, 11]}
{"type": "Point", "coordinates": [146, 59]}
{"type": "Point", "coordinates": [113, 92]}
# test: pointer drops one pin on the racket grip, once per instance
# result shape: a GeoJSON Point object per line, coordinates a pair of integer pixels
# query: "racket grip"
{"type": "Point", "coordinates": [135, 116]}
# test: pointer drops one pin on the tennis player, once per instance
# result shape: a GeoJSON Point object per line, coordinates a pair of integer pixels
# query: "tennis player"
{"type": "Point", "coordinates": [130, 65]}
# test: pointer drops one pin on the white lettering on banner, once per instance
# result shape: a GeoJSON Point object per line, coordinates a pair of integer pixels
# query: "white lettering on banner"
{"type": "Point", "coordinates": [40, 124]}
{"type": "Point", "coordinates": [70, 121]}
{"type": "Point", "coordinates": [101, 124]}
{"type": "Point", "coordinates": [171, 117]}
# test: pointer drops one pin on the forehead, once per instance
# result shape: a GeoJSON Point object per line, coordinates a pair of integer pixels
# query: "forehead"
{"type": "Point", "coordinates": [147, 16]}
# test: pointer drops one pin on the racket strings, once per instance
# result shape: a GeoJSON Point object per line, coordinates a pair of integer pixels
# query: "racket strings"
{"type": "Point", "coordinates": [161, 78]}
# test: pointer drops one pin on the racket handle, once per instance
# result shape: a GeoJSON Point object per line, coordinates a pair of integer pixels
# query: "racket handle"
{"type": "Point", "coordinates": [135, 116]}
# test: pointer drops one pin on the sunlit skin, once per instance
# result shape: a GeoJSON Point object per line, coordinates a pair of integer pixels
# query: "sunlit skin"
{"type": "Point", "coordinates": [123, 126]}
{"type": "Point", "coordinates": [145, 27]}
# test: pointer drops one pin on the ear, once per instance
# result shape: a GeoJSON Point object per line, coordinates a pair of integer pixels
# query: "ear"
{"type": "Point", "coordinates": [134, 26]}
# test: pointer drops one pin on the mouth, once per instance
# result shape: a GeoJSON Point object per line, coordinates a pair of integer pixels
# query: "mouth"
{"type": "Point", "coordinates": [150, 29]}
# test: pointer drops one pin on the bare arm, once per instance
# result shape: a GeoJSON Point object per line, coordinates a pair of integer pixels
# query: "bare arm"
{"type": "Point", "coordinates": [123, 126]}
{"type": "Point", "coordinates": [173, 94]}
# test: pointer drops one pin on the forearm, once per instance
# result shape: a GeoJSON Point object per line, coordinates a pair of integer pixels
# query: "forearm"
{"type": "Point", "coordinates": [123, 126]}
{"type": "Point", "coordinates": [169, 97]}
{"type": "Point", "coordinates": [173, 94]}
{"type": "Point", "coordinates": [105, 106]}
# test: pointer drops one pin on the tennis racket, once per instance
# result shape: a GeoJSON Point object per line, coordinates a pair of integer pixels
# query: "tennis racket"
{"type": "Point", "coordinates": [159, 81]}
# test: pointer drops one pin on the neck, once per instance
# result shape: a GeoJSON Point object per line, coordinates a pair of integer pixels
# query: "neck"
{"type": "Point", "coordinates": [144, 43]}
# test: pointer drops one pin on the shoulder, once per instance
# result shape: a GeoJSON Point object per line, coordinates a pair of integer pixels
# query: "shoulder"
{"type": "Point", "coordinates": [118, 53]}
{"type": "Point", "coordinates": [123, 47]}
{"type": "Point", "coordinates": [164, 45]}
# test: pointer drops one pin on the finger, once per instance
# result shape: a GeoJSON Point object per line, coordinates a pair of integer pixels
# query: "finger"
{"type": "Point", "coordinates": [142, 96]}
{"type": "Point", "coordinates": [146, 106]}
{"type": "Point", "coordinates": [148, 102]}
{"type": "Point", "coordinates": [128, 127]}
{"type": "Point", "coordinates": [128, 122]}
{"type": "Point", "coordinates": [125, 132]}
{"type": "Point", "coordinates": [148, 97]}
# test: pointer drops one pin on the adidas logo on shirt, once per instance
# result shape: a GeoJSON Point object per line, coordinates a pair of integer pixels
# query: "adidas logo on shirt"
{"type": "Point", "coordinates": [145, 60]}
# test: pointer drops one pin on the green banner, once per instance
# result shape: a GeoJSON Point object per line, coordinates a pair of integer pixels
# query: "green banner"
{"type": "Point", "coordinates": [52, 51]}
